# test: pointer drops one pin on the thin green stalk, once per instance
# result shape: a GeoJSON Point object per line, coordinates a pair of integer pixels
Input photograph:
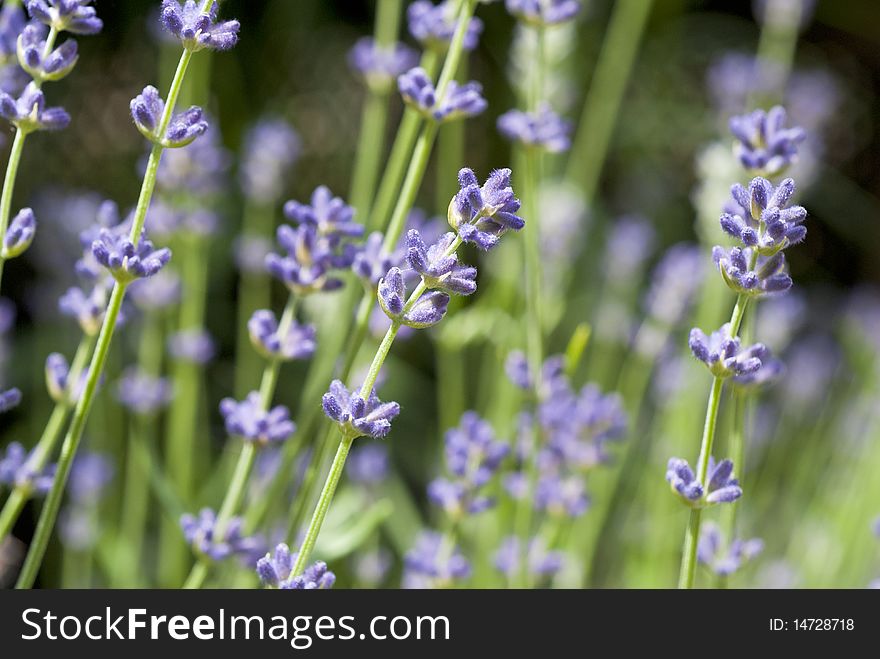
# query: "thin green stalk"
{"type": "Point", "coordinates": [135, 507]}
{"type": "Point", "coordinates": [602, 105]}
{"type": "Point", "coordinates": [776, 48]}
{"type": "Point", "coordinates": [84, 405]}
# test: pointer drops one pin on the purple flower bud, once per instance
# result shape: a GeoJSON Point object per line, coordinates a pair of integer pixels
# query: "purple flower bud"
{"type": "Point", "coordinates": [438, 266]}
{"type": "Point", "coordinates": [19, 234]}
{"type": "Point", "coordinates": [75, 16]}
{"type": "Point", "coordinates": [197, 29]}
{"type": "Point", "coordinates": [481, 215]}
{"type": "Point", "coordinates": [517, 369]}
{"type": "Point", "coordinates": [725, 561]}
{"type": "Point", "coordinates": [147, 109]}
{"type": "Point", "coordinates": [543, 129]}
{"type": "Point", "coordinates": [765, 145]}
{"type": "Point", "coordinates": [19, 469]}
{"type": "Point", "coordinates": [721, 487]}
{"type": "Point", "coordinates": [358, 417]}
{"type": "Point", "coordinates": [32, 56]}
{"type": "Point", "coordinates": [458, 101]}
{"type": "Point", "coordinates": [722, 354]}
{"type": "Point", "coordinates": [431, 563]}
{"type": "Point", "coordinates": [9, 399]}
{"type": "Point", "coordinates": [380, 65]}
{"type": "Point", "coordinates": [200, 533]}
{"type": "Point", "coordinates": [372, 261]}
{"type": "Point", "coordinates": [143, 394]}
{"type": "Point", "coordinates": [127, 261]}
{"type": "Point", "coordinates": [434, 25]}
{"type": "Point", "coordinates": [331, 216]}
{"type": "Point", "coordinates": [315, 577]}
{"type": "Point", "coordinates": [760, 216]}
{"type": "Point", "coordinates": [249, 420]}
{"type": "Point", "coordinates": [298, 341]}
{"type": "Point", "coordinates": [543, 12]}
{"type": "Point", "coordinates": [29, 112]}
{"type": "Point", "coordinates": [541, 561]}
{"type": "Point", "coordinates": [562, 495]}
{"type": "Point", "coordinates": [58, 383]}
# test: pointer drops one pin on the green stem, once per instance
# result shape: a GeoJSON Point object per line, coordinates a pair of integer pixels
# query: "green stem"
{"type": "Point", "coordinates": [84, 405]}
{"type": "Point", "coordinates": [135, 507]}
{"type": "Point", "coordinates": [602, 105]}
{"type": "Point", "coordinates": [9, 186]}
{"type": "Point", "coordinates": [776, 48]}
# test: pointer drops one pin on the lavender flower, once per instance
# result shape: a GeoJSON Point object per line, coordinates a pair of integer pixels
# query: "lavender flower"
{"type": "Point", "coordinates": [562, 495]}
{"type": "Point", "coordinates": [200, 533]}
{"type": "Point", "coordinates": [629, 245]}
{"type": "Point", "coordinates": [516, 367]}
{"type": "Point", "coordinates": [721, 486]}
{"type": "Point", "coordinates": [771, 371]}
{"type": "Point", "coordinates": [309, 260]}
{"type": "Point", "coordinates": [156, 293]}
{"type": "Point", "coordinates": [432, 563]}
{"type": "Point", "coordinates": [473, 456]}
{"type": "Point", "coordinates": [28, 112]}
{"type": "Point", "coordinates": [543, 129]}
{"type": "Point", "coordinates": [147, 109]}
{"type": "Point", "coordinates": [39, 64]}
{"type": "Point", "coordinates": [200, 169]}
{"type": "Point", "coordinates": [16, 471]}
{"type": "Point", "coordinates": [247, 419]}
{"type": "Point", "coordinates": [674, 283]}
{"type": "Point", "coordinates": [58, 383]}
{"type": "Point", "coordinates": [760, 218]}
{"type": "Point", "coordinates": [19, 234]}
{"type": "Point", "coordinates": [459, 101]}
{"type": "Point", "coordinates": [481, 215]}
{"type": "Point", "coordinates": [438, 266]}
{"type": "Point", "coordinates": [274, 572]}
{"type": "Point", "coordinates": [298, 341]}
{"type": "Point", "coordinates": [143, 394]}
{"type": "Point", "coordinates": [9, 399]}
{"type": "Point", "coordinates": [329, 215]}
{"type": "Point", "coordinates": [428, 310]}
{"type": "Point", "coordinates": [542, 562]}
{"type": "Point", "coordinates": [12, 23]}
{"type": "Point", "coordinates": [372, 261]}
{"type": "Point", "coordinates": [380, 65]}
{"type": "Point", "coordinates": [127, 261]}
{"type": "Point", "coordinates": [765, 145]}
{"type": "Point", "coordinates": [434, 25]}
{"type": "Point", "coordinates": [87, 309]}
{"type": "Point", "coordinates": [197, 29]}
{"type": "Point", "coordinates": [358, 417]}
{"type": "Point", "coordinates": [766, 278]}
{"type": "Point", "coordinates": [368, 465]}
{"type": "Point", "coordinates": [723, 355]}
{"type": "Point", "coordinates": [711, 551]}
{"type": "Point", "coordinates": [543, 12]}
{"type": "Point", "coordinates": [90, 474]}
{"type": "Point", "coordinates": [75, 16]}
{"type": "Point", "coordinates": [271, 149]}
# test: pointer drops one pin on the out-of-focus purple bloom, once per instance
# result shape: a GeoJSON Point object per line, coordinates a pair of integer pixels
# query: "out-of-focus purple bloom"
{"type": "Point", "coordinates": [721, 486]}
{"type": "Point", "coordinates": [166, 222]}
{"type": "Point", "coordinates": [271, 148]}
{"type": "Point", "coordinates": [58, 383]}
{"type": "Point", "coordinates": [434, 25]}
{"type": "Point", "coordinates": [274, 572]}
{"type": "Point", "coordinates": [192, 345]}
{"type": "Point", "coordinates": [90, 474]}
{"type": "Point", "coordinates": [459, 100]}
{"type": "Point", "coordinates": [142, 393]}
{"type": "Point", "coordinates": [432, 563]}
{"type": "Point", "coordinates": [358, 417]}
{"type": "Point", "coordinates": [198, 29]}
{"type": "Point", "coordinates": [516, 366]}
{"type": "Point", "coordinates": [767, 278]}
{"type": "Point", "coordinates": [9, 399]}
{"type": "Point", "coordinates": [372, 261]}
{"type": "Point", "coordinates": [543, 12]}
{"type": "Point", "coordinates": [156, 293]}
{"type": "Point", "coordinates": [7, 315]}
{"type": "Point", "coordinates": [42, 65]}
{"type": "Point", "coordinates": [147, 109]}
{"type": "Point", "coordinates": [543, 129]}
{"type": "Point", "coordinates": [629, 245]}
{"type": "Point", "coordinates": [16, 470]}
{"type": "Point", "coordinates": [200, 533]}
{"type": "Point", "coordinates": [88, 310]}
{"type": "Point", "coordinates": [481, 215]}
{"type": "Point", "coordinates": [765, 145]}
{"type": "Point", "coordinates": [250, 253]}
{"type": "Point", "coordinates": [428, 310]}
{"type": "Point", "coordinates": [771, 371]}
{"type": "Point", "coordinates": [368, 465]}
{"type": "Point", "coordinates": [19, 234]}
{"type": "Point", "coordinates": [761, 218]}
{"type": "Point", "coordinates": [12, 23]}
{"type": "Point", "coordinates": [380, 65]}
{"type": "Point", "coordinates": [473, 456]}
{"type": "Point", "coordinates": [297, 342]}
{"type": "Point", "coordinates": [371, 567]}
{"type": "Point", "coordinates": [542, 562]}
{"type": "Point", "coordinates": [249, 420]}
{"type": "Point", "coordinates": [127, 261]}
{"type": "Point", "coordinates": [200, 169]}
{"type": "Point", "coordinates": [28, 112]}
{"type": "Point", "coordinates": [308, 259]}
{"type": "Point", "coordinates": [674, 282]}
{"type": "Point", "coordinates": [75, 16]}
{"type": "Point", "coordinates": [723, 355]}
{"type": "Point", "coordinates": [438, 266]}
{"type": "Point", "coordinates": [562, 495]}
{"type": "Point", "coordinates": [712, 553]}
{"type": "Point", "coordinates": [329, 215]}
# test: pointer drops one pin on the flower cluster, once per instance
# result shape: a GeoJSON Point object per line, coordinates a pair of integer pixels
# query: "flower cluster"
{"type": "Point", "coordinates": [74, 16]}
{"type": "Point", "coordinates": [721, 486]}
{"type": "Point", "coordinates": [712, 553]}
{"type": "Point", "coordinates": [543, 129]}
{"type": "Point", "coordinates": [249, 420]}
{"type": "Point", "coordinates": [433, 563]}
{"type": "Point", "coordinates": [40, 64]}
{"type": "Point", "coordinates": [542, 563]}
{"type": "Point", "coordinates": [28, 112]}
{"type": "Point", "coordinates": [19, 234]}
{"type": "Point", "coordinates": [368, 465]}
{"type": "Point", "coordinates": [761, 218]}
{"type": "Point", "coordinates": [473, 456]}
{"type": "Point", "coordinates": [9, 399]}
{"type": "Point", "coordinates": [427, 310]}
{"type": "Point", "coordinates": [434, 25]}
{"type": "Point", "coordinates": [143, 394]}
{"type": "Point", "coordinates": [90, 475]}
{"type": "Point", "coordinates": [192, 345]}
{"type": "Point", "coordinates": [294, 342]}
{"type": "Point", "coordinates": [481, 215]}
{"type": "Point", "coordinates": [274, 572]}
{"type": "Point", "coordinates": [198, 29]}
{"type": "Point", "coordinates": [87, 309]}
{"type": "Point", "coordinates": [58, 382]}
{"type": "Point", "coordinates": [543, 12]}
{"type": "Point", "coordinates": [148, 110]}
{"type": "Point", "coordinates": [272, 147]}
{"type": "Point", "coordinates": [200, 533]}
{"type": "Point", "coordinates": [381, 65]}
{"type": "Point", "coordinates": [372, 260]}
{"type": "Point", "coordinates": [358, 417]}
{"type": "Point", "coordinates": [764, 144]}
{"type": "Point", "coordinates": [723, 355]}
{"type": "Point", "coordinates": [458, 101]}
{"type": "Point", "coordinates": [16, 470]}
{"type": "Point", "coordinates": [128, 261]}
{"type": "Point", "coordinates": [318, 245]}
